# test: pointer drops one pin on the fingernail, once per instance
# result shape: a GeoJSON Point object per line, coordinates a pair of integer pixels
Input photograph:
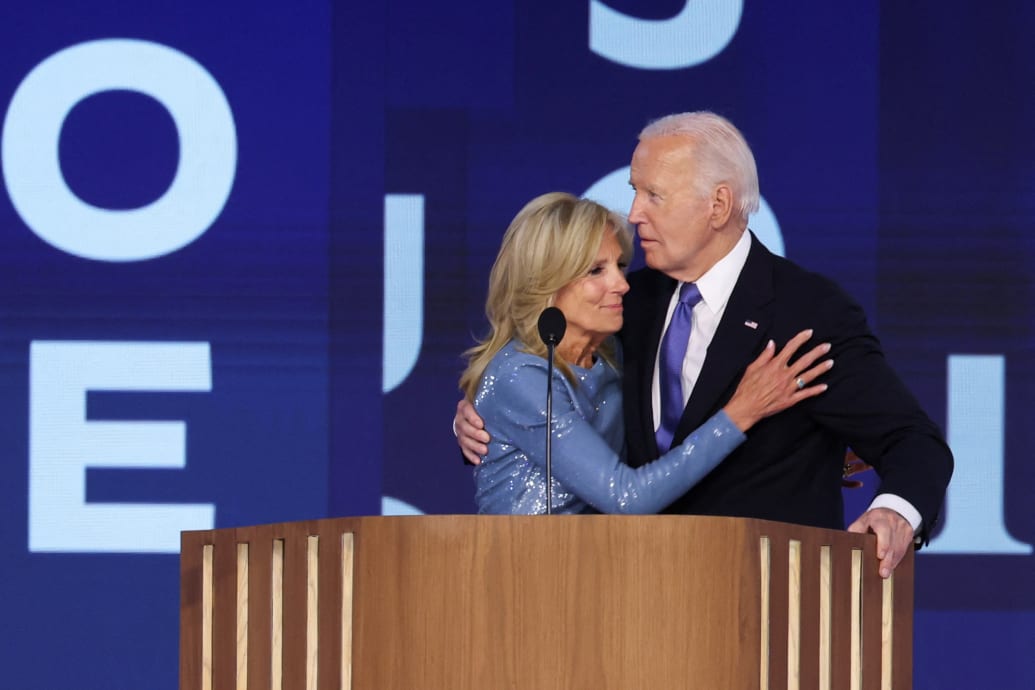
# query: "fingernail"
{"type": "Point", "coordinates": [826, 347]}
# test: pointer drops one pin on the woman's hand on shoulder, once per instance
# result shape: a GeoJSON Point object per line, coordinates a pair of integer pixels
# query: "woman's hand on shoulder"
{"type": "Point", "coordinates": [772, 383]}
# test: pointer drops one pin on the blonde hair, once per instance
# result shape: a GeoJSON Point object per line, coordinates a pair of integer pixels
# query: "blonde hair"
{"type": "Point", "coordinates": [551, 242]}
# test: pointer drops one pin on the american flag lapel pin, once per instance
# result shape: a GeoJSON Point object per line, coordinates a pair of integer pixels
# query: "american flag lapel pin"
{"type": "Point", "coordinates": [751, 324]}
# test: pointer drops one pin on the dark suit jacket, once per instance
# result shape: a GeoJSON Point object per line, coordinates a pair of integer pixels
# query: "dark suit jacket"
{"type": "Point", "coordinates": [789, 469]}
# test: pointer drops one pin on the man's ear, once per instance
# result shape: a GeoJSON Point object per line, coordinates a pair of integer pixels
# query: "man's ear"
{"type": "Point", "coordinates": [722, 206]}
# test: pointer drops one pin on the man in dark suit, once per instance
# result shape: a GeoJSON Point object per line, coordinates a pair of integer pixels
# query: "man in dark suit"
{"type": "Point", "coordinates": [696, 184]}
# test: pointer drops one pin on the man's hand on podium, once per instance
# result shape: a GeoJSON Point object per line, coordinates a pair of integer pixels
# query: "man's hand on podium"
{"type": "Point", "coordinates": [894, 536]}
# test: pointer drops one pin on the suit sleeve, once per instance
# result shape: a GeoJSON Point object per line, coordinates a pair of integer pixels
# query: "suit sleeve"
{"type": "Point", "coordinates": [871, 408]}
{"type": "Point", "coordinates": [586, 465]}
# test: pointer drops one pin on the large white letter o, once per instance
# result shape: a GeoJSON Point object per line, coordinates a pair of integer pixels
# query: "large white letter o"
{"type": "Point", "coordinates": [204, 174]}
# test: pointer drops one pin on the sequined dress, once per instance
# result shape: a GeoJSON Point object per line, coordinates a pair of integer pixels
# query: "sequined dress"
{"type": "Point", "coordinates": [589, 474]}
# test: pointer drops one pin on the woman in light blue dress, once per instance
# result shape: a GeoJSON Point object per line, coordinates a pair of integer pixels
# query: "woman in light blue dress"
{"type": "Point", "coordinates": [572, 253]}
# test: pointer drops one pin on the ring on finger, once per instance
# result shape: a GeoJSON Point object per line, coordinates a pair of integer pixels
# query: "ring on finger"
{"type": "Point", "coordinates": [799, 382]}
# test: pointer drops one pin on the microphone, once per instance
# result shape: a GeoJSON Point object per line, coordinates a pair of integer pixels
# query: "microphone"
{"type": "Point", "coordinates": [551, 330]}
{"type": "Point", "coordinates": [551, 326]}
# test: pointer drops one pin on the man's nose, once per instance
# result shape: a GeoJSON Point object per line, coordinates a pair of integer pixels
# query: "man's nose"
{"type": "Point", "coordinates": [635, 216]}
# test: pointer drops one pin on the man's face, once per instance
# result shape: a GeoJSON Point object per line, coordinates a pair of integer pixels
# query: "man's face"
{"type": "Point", "coordinates": [673, 220]}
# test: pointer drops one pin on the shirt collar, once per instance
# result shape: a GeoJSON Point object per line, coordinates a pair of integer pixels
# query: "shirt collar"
{"type": "Point", "coordinates": [717, 284]}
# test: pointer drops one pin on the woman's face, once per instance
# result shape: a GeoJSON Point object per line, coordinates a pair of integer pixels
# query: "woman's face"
{"type": "Point", "coordinates": [592, 304]}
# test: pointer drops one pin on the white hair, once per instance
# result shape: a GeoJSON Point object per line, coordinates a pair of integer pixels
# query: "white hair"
{"type": "Point", "coordinates": [721, 154]}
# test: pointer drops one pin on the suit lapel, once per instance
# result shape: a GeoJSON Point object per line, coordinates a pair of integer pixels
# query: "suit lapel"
{"type": "Point", "coordinates": [741, 334]}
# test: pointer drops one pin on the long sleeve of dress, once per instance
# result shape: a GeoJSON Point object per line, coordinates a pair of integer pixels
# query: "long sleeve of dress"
{"type": "Point", "coordinates": [582, 460]}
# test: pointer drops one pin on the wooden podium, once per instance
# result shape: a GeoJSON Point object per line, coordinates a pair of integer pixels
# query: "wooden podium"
{"type": "Point", "coordinates": [458, 602]}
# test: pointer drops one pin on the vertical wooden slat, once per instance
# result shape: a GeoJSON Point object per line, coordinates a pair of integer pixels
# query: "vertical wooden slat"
{"type": "Point", "coordinates": [887, 632]}
{"type": "Point", "coordinates": [277, 616]}
{"type": "Point", "coordinates": [312, 607]}
{"type": "Point", "coordinates": [765, 578]}
{"type": "Point", "coordinates": [347, 572]}
{"type": "Point", "coordinates": [793, 614]}
{"type": "Point", "coordinates": [207, 597]}
{"type": "Point", "coordinates": [242, 617]}
{"type": "Point", "coordinates": [855, 682]}
{"type": "Point", "coordinates": [778, 639]}
{"type": "Point", "coordinates": [825, 617]}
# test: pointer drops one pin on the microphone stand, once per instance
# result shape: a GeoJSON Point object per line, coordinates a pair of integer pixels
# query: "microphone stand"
{"type": "Point", "coordinates": [549, 426]}
{"type": "Point", "coordinates": [551, 330]}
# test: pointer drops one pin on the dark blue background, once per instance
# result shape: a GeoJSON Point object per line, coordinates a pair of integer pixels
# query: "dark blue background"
{"type": "Point", "coordinates": [893, 144]}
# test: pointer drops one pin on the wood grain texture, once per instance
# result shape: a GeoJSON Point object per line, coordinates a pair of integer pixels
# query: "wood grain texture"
{"type": "Point", "coordinates": [464, 602]}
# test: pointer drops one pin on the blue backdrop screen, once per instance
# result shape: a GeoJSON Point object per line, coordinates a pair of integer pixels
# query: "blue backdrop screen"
{"type": "Point", "coordinates": [242, 247]}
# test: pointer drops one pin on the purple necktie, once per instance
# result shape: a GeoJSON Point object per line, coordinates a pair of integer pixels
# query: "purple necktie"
{"type": "Point", "coordinates": [670, 374]}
